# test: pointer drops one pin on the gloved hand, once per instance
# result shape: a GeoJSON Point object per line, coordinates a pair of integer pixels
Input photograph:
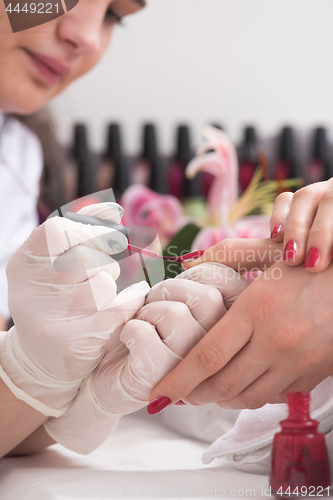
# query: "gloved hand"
{"type": "Point", "coordinates": [62, 319]}
{"type": "Point", "coordinates": [177, 314]}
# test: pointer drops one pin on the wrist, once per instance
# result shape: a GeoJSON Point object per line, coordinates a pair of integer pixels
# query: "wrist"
{"type": "Point", "coordinates": [85, 425]}
{"type": "Point", "coordinates": [28, 383]}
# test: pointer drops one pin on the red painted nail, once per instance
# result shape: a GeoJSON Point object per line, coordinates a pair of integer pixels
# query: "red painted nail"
{"type": "Point", "coordinates": [179, 403]}
{"type": "Point", "coordinates": [158, 404]}
{"type": "Point", "coordinates": [290, 250]}
{"type": "Point", "coordinates": [192, 256]}
{"type": "Point", "coordinates": [312, 258]}
{"type": "Point", "coordinates": [276, 229]}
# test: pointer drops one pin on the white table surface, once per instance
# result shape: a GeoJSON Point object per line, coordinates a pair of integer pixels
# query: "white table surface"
{"type": "Point", "coordinates": [142, 459]}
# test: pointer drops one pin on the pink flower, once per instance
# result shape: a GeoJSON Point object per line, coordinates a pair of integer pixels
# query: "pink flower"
{"type": "Point", "coordinates": [256, 226]}
{"type": "Point", "coordinates": [144, 207]}
{"type": "Point", "coordinates": [223, 164]}
{"type": "Point", "coordinates": [223, 195]}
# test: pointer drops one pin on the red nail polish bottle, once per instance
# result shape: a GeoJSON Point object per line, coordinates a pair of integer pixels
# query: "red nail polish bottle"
{"type": "Point", "coordinates": [300, 464]}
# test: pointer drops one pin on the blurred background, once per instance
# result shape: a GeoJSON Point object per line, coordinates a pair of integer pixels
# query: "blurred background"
{"type": "Point", "coordinates": [229, 61]}
{"type": "Point", "coordinates": [258, 69]}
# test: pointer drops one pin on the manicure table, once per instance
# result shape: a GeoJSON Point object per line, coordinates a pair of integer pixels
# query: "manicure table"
{"type": "Point", "coordinates": [142, 459]}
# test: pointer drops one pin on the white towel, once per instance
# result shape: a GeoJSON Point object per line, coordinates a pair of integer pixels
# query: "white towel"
{"type": "Point", "coordinates": [250, 440]}
{"type": "Point", "coordinates": [206, 422]}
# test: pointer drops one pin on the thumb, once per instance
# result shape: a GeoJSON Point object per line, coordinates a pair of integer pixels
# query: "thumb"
{"type": "Point", "coordinates": [106, 211]}
{"type": "Point", "coordinates": [63, 234]}
{"type": "Point", "coordinates": [128, 302]}
{"type": "Point", "coordinates": [241, 254]}
{"type": "Point", "coordinates": [149, 359]}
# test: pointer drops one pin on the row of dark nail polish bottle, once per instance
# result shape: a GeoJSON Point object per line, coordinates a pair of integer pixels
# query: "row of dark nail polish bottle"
{"type": "Point", "coordinates": [113, 168]}
{"type": "Point", "coordinates": [285, 163]}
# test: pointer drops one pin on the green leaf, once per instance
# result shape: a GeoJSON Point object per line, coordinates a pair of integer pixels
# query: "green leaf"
{"type": "Point", "coordinates": [179, 245]}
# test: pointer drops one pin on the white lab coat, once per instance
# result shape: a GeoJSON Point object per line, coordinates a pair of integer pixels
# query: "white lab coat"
{"type": "Point", "coordinates": [21, 163]}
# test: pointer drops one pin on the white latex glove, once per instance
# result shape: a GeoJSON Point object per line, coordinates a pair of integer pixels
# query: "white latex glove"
{"type": "Point", "coordinates": [177, 314]}
{"type": "Point", "coordinates": [62, 320]}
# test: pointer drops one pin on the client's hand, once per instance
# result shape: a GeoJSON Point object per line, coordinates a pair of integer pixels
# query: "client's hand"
{"type": "Point", "coordinates": [177, 314]}
{"type": "Point", "coordinates": [62, 319]}
{"type": "Point", "coordinates": [276, 338]}
{"type": "Point", "coordinates": [301, 233]}
{"type": "Point", "coordinates": [304, 222]}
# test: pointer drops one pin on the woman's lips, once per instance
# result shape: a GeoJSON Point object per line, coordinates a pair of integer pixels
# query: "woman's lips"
{"type": "Point", "coordinates": [48, 69]}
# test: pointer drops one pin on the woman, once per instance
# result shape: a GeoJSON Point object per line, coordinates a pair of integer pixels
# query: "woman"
{"type": "Point", "coordinates": [41, 378]}
{"type": "Point", "coordinates": [76, 354]}
{"type": "Point", "coordinates": [35, 66]}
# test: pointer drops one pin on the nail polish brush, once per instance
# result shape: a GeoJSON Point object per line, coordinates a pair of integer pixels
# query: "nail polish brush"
{"type": "Point", "coordinates": [143, 236]}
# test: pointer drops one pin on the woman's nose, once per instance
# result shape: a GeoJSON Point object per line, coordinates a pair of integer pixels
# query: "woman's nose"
{"type": "Point", "coordinates": [82, 28]}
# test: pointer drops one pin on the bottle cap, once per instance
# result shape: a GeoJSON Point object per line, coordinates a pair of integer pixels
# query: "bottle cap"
{"type": "Point", "coordinates": [286, 149]}
{"type": "Point", "coordinates": [114, 153]}
{"type": "Point", "coordinates": [83, 159]}
{"type": "Point", "coordinates": [320, 150]}
{"type": "Point", "coordinates": [150, 153]}
{"type": "Point", "coordinates": [80, 139]}
{"type": "Point", "coordinates": [149, 141]}
{"type": "Point", "coordinates": [191, 188]}
{"type": "Point", "coordinates": [249, 147]}
{"type": "Point", "coordinates": [286, 144]}
{"type": "Point", "coordinates": [183, 153]}
{"type": "Point", "coordinates": [319, 145]}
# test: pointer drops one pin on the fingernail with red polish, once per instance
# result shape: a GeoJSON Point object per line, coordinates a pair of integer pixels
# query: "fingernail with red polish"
{"type": "Point", "coordinates": [290, 250]}
{"type": "Point", "coordinates": [179, 403]}
{"type": "Point", "coordinates": [312, 258]}
{"type": "Point", "coordinates": [192, 256]}
{"type": "Point", "coordinates": [276, 229]}
{"type": "Point", "coordinates": [158, 404]}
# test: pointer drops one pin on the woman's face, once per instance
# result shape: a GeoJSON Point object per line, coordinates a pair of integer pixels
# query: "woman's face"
{"type": "Point", "coordinates": [37, 64]}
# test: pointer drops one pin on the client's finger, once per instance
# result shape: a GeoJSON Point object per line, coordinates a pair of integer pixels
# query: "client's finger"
{"type": "Point", "coordinates": [279, 216]}
{"type": "Point", "coordinates": [299, 221]}
{"type": "Point", "coordinates": [320, 240]}
{"type": "Point", "coordinates": [242, 254]}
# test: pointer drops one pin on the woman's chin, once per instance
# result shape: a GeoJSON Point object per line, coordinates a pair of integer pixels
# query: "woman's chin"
{"type": "Point", "coordinates": [26, 105]}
